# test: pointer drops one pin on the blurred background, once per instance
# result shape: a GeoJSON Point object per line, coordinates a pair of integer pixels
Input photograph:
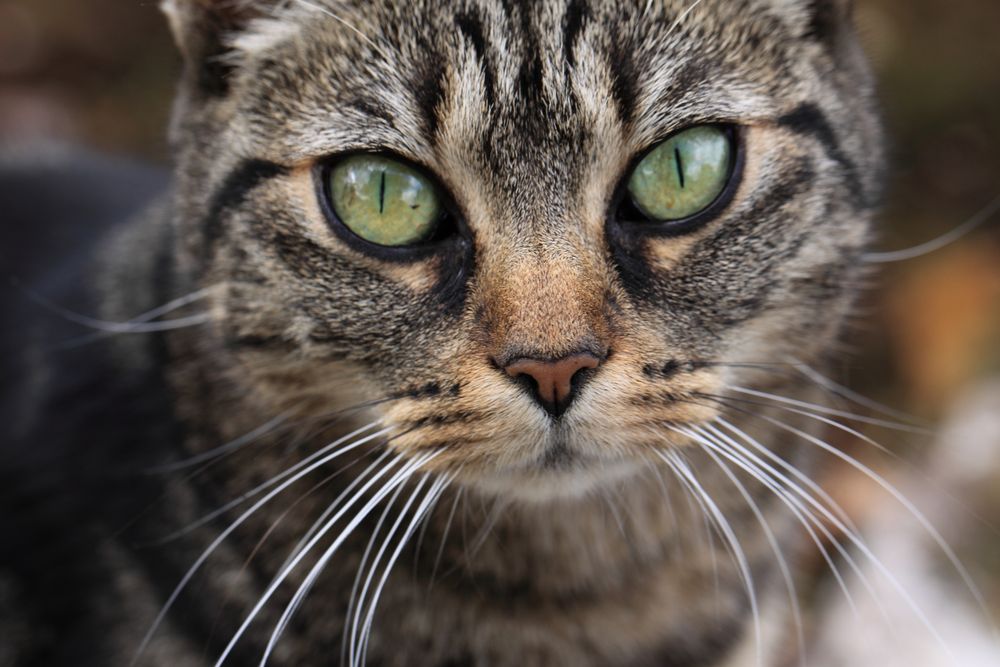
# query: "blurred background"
{"type": "Point", "coordinates": [101, 74]}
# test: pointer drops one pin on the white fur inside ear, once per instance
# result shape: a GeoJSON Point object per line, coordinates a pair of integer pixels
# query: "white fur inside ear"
{"type": "Point", "coordinates": [263, 35]}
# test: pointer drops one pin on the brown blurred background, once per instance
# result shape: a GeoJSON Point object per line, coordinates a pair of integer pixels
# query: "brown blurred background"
{"type": "Point", "coordinates": [101, 73]}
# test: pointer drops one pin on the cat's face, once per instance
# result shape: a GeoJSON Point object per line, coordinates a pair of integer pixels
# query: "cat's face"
{"type": "Point", "coordinates": [544, 335]}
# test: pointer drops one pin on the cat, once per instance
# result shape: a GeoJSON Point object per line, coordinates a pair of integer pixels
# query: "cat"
{"type": "Point", "coordinates": [460, 336]}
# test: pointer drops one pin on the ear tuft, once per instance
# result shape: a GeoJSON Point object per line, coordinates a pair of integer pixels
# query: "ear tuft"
{"type": "Point", "coordinates": [203, 29]}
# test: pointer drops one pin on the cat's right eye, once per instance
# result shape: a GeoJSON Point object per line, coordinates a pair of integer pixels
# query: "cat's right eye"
{"type": "Point", "coordinates": [384, 201]}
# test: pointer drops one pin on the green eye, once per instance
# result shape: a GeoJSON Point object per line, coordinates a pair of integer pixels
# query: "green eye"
{"type": "Point", "coordinates": [683, 175]}
{"type": "Point", "coordinates": [384, 201]}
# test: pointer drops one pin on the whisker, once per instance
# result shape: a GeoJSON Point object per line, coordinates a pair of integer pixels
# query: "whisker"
{"type": "Point", "coordinates": [332, 507]}
{"type": "Point", "coordinates": [831, 411]}
{"type": "Point", "coordinates": [700, 435]}
{"type": "Point", "coordinates": [806, 517]}
{"type": "Point", "coordinates": [355, 603]}
{"type": "Point", "coordinates": [326, 11]}
{"type": "Point", "coordinates": [935, 244]}
{"type": "Point", "coordinates": [907, 504]}
{"type": "Point", "coordinates": [324, 458]}
{"type": "Point", "coordinates": [444, 537]}
{"type": "Point", "coordinates": [849, 394]}
{"type": "Point", "coordinates": [912, 509]}
{"type": "Point", "coordinates": [290, 472]}
{"type": "Point", "coordinates": [140, 324]}
{"type": "Point", "coordinates": [684, 473]}
{"type": "Point", "coordinates": [398, 478]}
{"type": "Point", "coordinates": [221, 450]}
{"type": "Point", "coordinates": [426, 506]}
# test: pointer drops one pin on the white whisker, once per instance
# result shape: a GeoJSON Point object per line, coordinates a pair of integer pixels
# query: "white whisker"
{"type": "Point", "coordinates": [949, 553]}
{"type": "Point", "coordinates": [907, 598]}
{"type": "Point", "coordinates": [246, 515]}
{"type": "Point", "coordinates": [352, 620]}
{"type": "Point", "coordinates": [426, 506]}
{"type": "Point", "coordinates": [815, 408]}
{"type": "Point", "coordinates": [687, 477]}
{"type": "Point", "coordinates": [221, 450]}
{"type": "Point", "coordinates": [700, 435]}
{"type": "Point", "coordinates": [849, 394]}
{"type": "Point", "coordinates": [398, 478]}
{"type": "Point", "coordinates": [290, 472]}
{"type": "Point", "coordinates": [933, 245]}
{"type": "Point", "coordinates": [352, 603]}
{"type": "Point", "coordinates": [326, 11]}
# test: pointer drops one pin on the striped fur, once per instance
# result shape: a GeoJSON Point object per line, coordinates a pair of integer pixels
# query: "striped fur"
{"type": "Point", "coordinates": [530, 114]}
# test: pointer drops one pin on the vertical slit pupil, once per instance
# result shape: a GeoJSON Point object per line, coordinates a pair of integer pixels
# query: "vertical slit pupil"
{"type": "Point", "coordinates": [381, 194]}
{"type": "Point", "coordinates": [680, 165]}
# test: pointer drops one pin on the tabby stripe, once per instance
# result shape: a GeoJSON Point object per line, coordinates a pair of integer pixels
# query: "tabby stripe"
{"type": "Point", "coordinates": [809, 120]}
{"type": "Point", "coordinates": [574, 21]}
{"type": "Point", "coordinates": [233, 192]}
{"type": "Point", "coordinates": [470, 24]}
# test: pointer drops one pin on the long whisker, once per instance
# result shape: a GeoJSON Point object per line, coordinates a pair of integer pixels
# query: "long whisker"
{"type": "Point", "coordinates": [845, 392]}
{"type": "Point", "coordinates": [231, 446]}
{"type": "Point", "coordinates": [900, 498]}
{"type": "Point", "coordinates": [332, 507]}
{"type": "Point", "coordinates": [766, 474]}
{"type": "Point", "coordinates": [426, 506]}
{"type": "Point", "coordinates": [362, 581]}
{"type": "Point", "coordinates": [305, 466]}
{"type": "Point", "coordinates": [326, 11]}
{"type": "Point", "coordinates": [687, 477]}
{"type": "Point", "coordinates": [771, 477]}
{"type": "Point", "coordinates": [699, 435]}
{"type": "Point", "coordinates": [400, 477]}
{"type": "Point", "coordinates": [444, 537]}
{"type": "Point", "coordinates": [140, 324]}
{"type": "Point", "coordinates": [816, 408]}
{"type": "Point", "coordinates": [325, 456]}
{"type": "Point", "coordinates": [907, 504]}
{"type": "Point", "coordinates": [933, 245]}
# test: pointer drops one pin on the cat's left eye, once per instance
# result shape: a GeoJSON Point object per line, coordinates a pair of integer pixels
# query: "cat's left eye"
{"type": "Point", "coordinates": [384, 201]}
{"type": "Point", "coordinates": [684, 175]}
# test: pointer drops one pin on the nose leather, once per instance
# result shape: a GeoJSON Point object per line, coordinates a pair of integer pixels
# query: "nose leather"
{"type": "Point", "coordinates": [553, 379]}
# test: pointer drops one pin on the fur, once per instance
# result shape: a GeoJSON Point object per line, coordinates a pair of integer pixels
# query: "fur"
{"type": "Point", "coordinates": [566, 547]}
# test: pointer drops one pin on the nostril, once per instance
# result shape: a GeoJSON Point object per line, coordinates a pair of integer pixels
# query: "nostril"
{"type": "Point", "coordinates": [554, 380]}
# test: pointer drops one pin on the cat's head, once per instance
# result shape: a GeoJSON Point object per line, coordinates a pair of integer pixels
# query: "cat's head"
{"type": "Point", "coordinates": [541, 231]}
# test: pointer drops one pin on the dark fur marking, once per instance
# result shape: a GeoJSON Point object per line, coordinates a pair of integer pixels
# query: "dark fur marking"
{"type": "Point", "coordinates": [470, 24]}
{"type": "Point", "coordinates": [458, 417]}
{"type": "Point", "coordinates": [624, 80]}
{"type": "Point", "coordinates": [826, 22]}
{"type": "Point", "coordinates": [577, 15]}
{"type": "Point", "coordinates": [429, 91]}
{"type": "Point", "coordinates": [664, 372]}
{"type": "Point", "coordinates": [809, 120]}
{"type": "Point", "coordinates": [233, 192]}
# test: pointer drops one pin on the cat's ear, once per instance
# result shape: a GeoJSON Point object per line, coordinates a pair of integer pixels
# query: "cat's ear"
{"type": "Point", "coordinates": [203, 30]}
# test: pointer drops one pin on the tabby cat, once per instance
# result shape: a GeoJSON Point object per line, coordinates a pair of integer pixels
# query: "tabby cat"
{"type": "Point", "coordinates": [459, 338]}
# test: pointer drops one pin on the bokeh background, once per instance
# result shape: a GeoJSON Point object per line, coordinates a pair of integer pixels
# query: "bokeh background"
{"type": "Point", "coordinates": [101, 74]}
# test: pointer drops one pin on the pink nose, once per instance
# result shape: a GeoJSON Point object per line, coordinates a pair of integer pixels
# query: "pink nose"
{"type": "Point", "coordinates": [553, 379]}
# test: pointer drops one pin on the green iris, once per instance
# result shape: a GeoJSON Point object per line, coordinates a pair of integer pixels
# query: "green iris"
{"type": "Point", "coordinates": [683, 175]}
{"type": "Point", "coordinates": [384, 201]}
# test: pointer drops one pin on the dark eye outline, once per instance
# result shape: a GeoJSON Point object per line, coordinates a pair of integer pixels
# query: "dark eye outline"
{"type": "Point", "coordinates": [630, 220]}
{"type": "Point", "coordinates": [447, 230]}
